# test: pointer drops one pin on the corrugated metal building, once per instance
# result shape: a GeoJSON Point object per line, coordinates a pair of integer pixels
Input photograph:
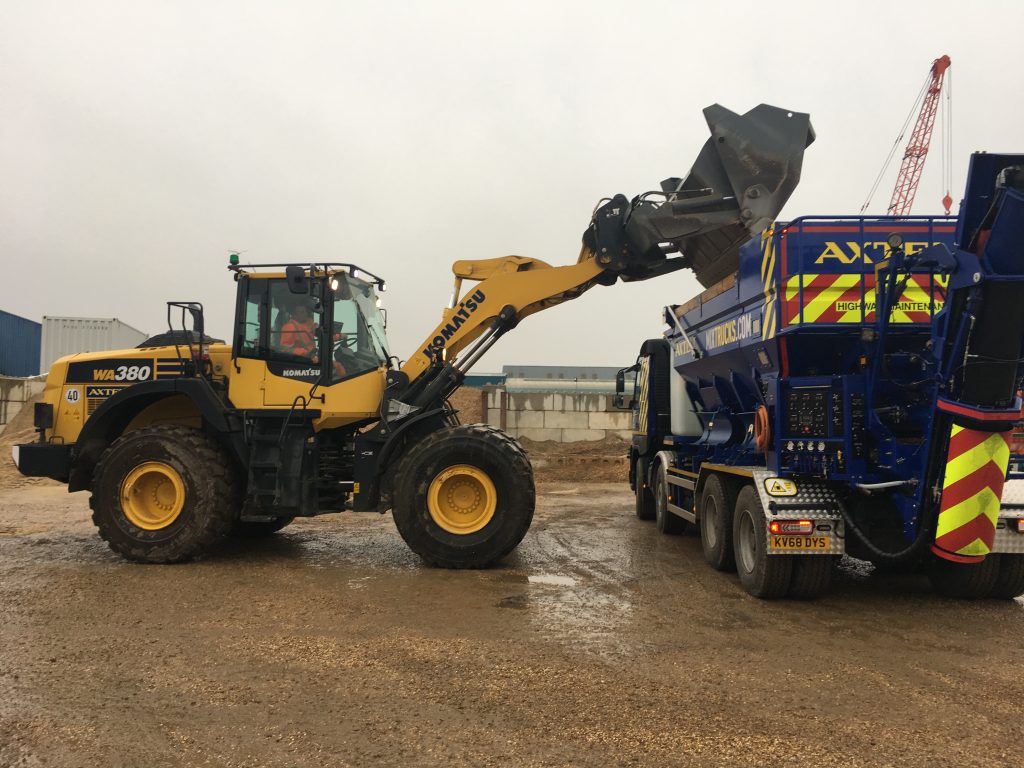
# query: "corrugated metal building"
{"type": "Point", "coordinates": [68, 335]}
{"type": "Point", "coordinates": [19, 345]}
{"type": "Point", "coordinates": [483, 379]}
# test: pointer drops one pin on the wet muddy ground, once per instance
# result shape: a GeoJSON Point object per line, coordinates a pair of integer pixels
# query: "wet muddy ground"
{"type": "Point", "coordinates": [599, 642]}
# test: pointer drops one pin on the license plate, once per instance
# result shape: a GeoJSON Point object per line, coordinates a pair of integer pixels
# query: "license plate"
{"type": "Point", "coordinates": [808, 543]}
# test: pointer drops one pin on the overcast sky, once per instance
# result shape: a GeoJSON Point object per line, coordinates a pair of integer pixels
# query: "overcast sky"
{"type": "Point", "coordinates": [140, 142]}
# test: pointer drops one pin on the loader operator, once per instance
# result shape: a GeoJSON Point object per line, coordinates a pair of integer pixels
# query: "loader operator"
{"type": "Point", "coordinates": [298, 334]}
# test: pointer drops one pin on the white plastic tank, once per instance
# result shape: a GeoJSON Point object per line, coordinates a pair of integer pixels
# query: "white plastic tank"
{"type": "Point", "coordinates": [685, 421]}
{"type": "Point", "coordinates": [68, 335]}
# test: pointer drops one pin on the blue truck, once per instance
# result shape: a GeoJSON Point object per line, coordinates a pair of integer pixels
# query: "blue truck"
{"type": "Point", "coordinates": [851, 389]}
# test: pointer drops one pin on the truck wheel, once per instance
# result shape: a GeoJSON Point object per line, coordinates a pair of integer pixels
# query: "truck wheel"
{"type": "Point", "coordinates": [964, 581]}
{"type": "Point", "coordinates": [644, 497]}
{"type": "Point", "coordinates": [666, 522]}
{"type": "Point", "coordinates": [244, 529]}
{"type": "Point", "coordinates": [716, 506]}
{"type": "Point", "coordinates": [762, 575]}
{"type": "Point", "coordinates": [1010, 581]}
{"type": "Point", "coordinates": [464, 496]}
{"type": "Point", "coordinates": [812, 575]}
{"type": "Point", "coordinates": [163, 494]}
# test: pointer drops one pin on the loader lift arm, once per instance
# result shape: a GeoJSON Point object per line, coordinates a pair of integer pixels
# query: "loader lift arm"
{"type": "Point", "coordinates": [739, 183]}
{"type": "Point", "coordinates": [742, 178]}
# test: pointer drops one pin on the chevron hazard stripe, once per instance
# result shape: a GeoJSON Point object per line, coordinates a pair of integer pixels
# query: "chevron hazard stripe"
{"type": "Point", "coordinates": [645, 367]}
{"type": "Point", "coordinates": [850, 298]}
{"type": "Point", "coordinates": [975, 472]}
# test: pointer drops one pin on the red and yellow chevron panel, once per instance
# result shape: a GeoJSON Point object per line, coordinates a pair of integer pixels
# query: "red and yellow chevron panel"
{"type": "Point", "coordinates": [850, 298]}
{"type": "Point", "coordinates": [971, 491]}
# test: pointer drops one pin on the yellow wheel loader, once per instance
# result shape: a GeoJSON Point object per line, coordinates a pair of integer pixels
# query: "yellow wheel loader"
{"type": "Point", "coordinates": [307, 411]}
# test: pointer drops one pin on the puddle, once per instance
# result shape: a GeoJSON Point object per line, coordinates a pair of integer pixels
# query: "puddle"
{"type": "Point", "coordinates": [552, 580]}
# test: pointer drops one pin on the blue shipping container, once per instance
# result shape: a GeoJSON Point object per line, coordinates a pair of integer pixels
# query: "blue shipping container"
{"type": "Point", "coordinates": [20, 340]}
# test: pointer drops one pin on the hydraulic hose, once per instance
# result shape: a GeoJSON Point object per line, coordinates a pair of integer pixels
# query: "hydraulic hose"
{"type": "Point", "coordinates": [922, 538]}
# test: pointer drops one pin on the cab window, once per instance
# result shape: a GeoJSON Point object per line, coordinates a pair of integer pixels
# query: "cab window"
{"type": "Point", "coordinates": [276, 324]}
{"type": "Point", "coordinates": [357, 329]}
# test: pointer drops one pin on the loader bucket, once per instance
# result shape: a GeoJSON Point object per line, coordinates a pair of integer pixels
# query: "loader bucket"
{"type": "Point", "coordinates": [742, 178]}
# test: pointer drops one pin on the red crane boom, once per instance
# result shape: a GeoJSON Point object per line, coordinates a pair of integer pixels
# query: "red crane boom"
{"type": "Point", "coordinates": [917, 148]}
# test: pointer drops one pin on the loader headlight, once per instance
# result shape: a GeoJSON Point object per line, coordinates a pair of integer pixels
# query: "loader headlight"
{"type": "Point", "coordinates": [334, 283]}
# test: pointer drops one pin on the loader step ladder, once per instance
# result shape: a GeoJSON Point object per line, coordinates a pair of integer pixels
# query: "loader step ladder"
{"type": "Point", "coordinates": [280, 457]}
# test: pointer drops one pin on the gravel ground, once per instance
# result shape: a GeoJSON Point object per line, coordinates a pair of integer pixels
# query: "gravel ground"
{"type": "Point", "coordinates": [599, 642]}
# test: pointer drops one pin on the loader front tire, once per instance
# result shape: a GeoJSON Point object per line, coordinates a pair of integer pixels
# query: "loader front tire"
{"type": "Point", "coordinates": [163, 494]}
{"type": "Point", "coordinates": [464, 496]}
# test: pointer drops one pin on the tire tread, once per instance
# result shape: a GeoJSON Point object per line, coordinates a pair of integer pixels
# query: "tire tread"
{"type": "Point", "coordinates": [217, 475]}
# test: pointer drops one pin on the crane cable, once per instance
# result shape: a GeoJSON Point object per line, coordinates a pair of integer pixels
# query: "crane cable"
{"type": "Point", "coordinates": [899, 140]}
{"type": "Point", "coordinates": [946, 107]}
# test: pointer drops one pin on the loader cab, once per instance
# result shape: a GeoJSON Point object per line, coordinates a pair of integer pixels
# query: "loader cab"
{"type": "Point", "coordinates": [320, 324]}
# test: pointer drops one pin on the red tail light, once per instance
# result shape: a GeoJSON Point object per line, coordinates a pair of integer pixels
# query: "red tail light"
{"type": "Point", "coordinates": [779, 527]}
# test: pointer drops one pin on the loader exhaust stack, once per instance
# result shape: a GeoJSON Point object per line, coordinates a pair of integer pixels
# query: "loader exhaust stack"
{"type": "Point", "coordinates": [739, 183]}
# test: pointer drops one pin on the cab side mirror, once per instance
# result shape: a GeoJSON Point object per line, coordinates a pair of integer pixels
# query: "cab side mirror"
{"type": "Point", "coordinates": [619, 400]}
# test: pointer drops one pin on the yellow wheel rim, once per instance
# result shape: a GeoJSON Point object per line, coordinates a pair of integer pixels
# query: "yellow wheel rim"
{"type": "Point", "coordinates": [152, 495]}
{"type": "Point", "coordinates": [462, 499]}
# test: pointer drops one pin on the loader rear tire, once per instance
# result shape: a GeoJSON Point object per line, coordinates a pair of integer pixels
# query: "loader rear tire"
{"type": "Point", "coordinates": [716, 523]}
{"type": "Point", "coordinates": [464, 496]}
{"type": "Point", "coordinates": [1010, 581]}
{"type": "Point", "coordinates": [762, 575]}
{"type": "Point", "coordinates": [164, 494]}
{"type": "Point", "coordinates": [964, 581]}
{"type": "Point", "coordinates": [645, 509]}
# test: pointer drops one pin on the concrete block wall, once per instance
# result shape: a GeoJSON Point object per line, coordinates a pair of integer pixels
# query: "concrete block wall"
{"type": "Point", "coordinates": [565, 417]}
{"type": "Point", "coordinates": [14, 393]}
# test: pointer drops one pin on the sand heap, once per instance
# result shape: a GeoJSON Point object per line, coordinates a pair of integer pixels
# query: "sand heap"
{"type": "Point", "coordinates": [19, 430]}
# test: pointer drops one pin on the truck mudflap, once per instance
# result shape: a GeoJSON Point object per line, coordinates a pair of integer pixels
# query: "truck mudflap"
{"type": "Point", "coordinates": [1009, 538]}
{"type": "Point", "coordinates": [802, 517]}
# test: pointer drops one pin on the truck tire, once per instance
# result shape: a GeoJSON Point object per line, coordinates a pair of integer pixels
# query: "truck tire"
{"type": "Point", "coordinates": [644, 497]}
{"type": "Point", "coordinates": [762, 575]}
{"type": "Point", "coordinates": [164, 494]}
{"type": "Point", "coordinates": [716, 512]}
{"type": "Point", "coordinates": [667, 522]}
{"type": "Point", "coordinates": [1010, 581]}
{"type": "Point", "coordinates": [464, 496]}
{"type": "Point", "coordinates": [245, 529]}
{"type": "Point", "coordinates": [812, 575]}
{"type": "Point", "coordinates": [964, 581]}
